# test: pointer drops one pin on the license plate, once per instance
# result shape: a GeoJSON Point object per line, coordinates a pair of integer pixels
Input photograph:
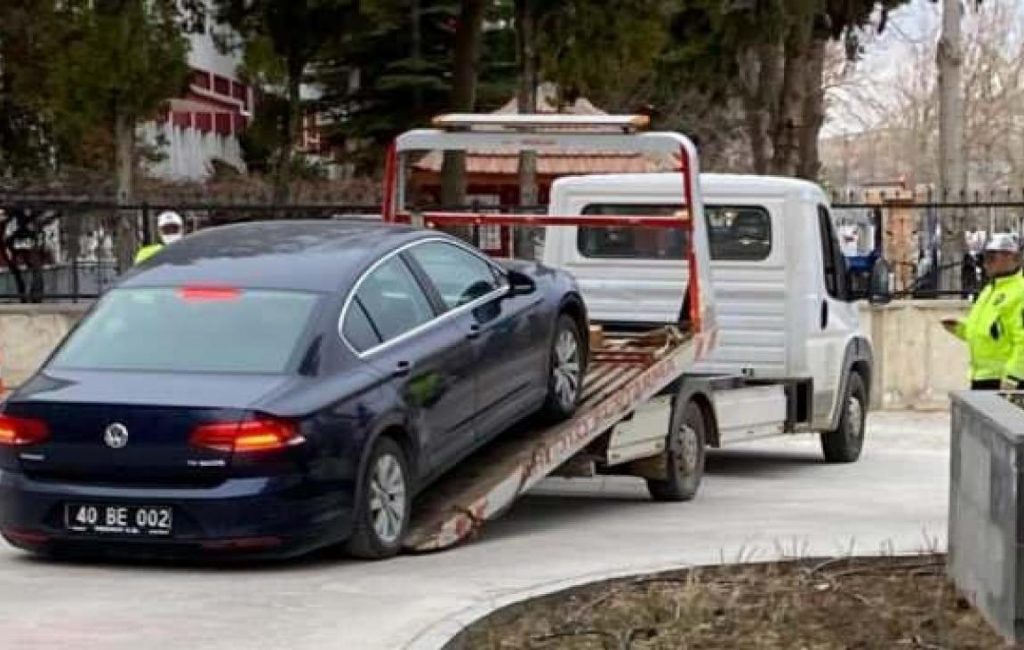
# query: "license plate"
{"type": "Point", "coordinates": [141, 521]}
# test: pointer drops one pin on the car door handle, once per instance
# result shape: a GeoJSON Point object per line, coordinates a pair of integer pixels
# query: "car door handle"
{"type": "Point", "coordinates": [474, 331]}
{"type": "Point", "coordinates": [824, 314]}
{"type": "Point", "coordinates": [402, 369]}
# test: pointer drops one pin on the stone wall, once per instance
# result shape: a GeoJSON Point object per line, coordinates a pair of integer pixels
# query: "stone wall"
{"type": "Point", "coordinates": [917, 362]}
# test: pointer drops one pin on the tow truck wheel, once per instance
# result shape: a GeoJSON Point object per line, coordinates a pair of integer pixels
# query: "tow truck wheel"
{"type": "Point", "coordinates": [684, 456]}
{"type": "Point", "coordinates": [845, 443]}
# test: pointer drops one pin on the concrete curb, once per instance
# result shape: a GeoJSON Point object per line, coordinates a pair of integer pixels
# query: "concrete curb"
{"type": "Point", "coordinates": [437, 635]}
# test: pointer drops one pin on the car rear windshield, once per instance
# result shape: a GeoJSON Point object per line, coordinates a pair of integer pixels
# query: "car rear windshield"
{"type": "Point", "coordinates": [190, 329]}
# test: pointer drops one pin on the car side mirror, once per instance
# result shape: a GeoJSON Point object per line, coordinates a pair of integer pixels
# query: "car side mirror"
{"type": "Point", "coordinates": [520, 284]}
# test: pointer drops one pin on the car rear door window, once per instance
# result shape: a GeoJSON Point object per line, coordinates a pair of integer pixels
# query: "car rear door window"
{"type": "Point", "coordinates": [393, 300]}
{"type": "Point", "coordinates": [459, 276]}
{"type": "Point", "coordinates": [357, 328]}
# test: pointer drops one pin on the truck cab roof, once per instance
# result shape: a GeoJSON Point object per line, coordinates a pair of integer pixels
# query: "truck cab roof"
{"type": "Point", "coordinates": [670, 183]}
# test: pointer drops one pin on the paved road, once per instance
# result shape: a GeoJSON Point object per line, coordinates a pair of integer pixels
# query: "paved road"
{"type": "Point", "coordinates": [761, 501]}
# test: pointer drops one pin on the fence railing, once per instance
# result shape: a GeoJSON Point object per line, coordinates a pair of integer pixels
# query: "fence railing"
{"type": "Point", "coordinates": [916, 232]}
{"type": "Point", "coordinates": [72, 248]}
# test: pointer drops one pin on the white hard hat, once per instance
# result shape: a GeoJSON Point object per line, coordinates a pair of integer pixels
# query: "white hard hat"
{"type": "Point", "coordinates": [1004, 242]}
{"type": "Point", "coordinates": [168, 218]}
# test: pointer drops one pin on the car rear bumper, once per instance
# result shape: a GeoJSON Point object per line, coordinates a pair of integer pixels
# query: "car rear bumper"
{"type": "Point", "coordinates": [280, 516]}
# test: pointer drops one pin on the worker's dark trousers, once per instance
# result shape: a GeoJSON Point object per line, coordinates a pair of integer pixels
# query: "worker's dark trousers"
{"type": "Point", "coordinates": [985, 384]}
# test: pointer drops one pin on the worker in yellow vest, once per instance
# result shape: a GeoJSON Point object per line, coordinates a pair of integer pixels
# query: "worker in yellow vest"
{"type": "Point", "coordinates": [170, 228]}
{"type": "Point", "coordinates": [994, 328]}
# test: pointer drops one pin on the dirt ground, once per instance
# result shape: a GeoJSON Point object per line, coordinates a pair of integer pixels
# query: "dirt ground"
{"type": "Point", "coordinates": [878, 603]}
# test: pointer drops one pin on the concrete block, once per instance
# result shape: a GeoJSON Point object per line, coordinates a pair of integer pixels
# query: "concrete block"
{"type": "Point", "coordinates": [986, 509]}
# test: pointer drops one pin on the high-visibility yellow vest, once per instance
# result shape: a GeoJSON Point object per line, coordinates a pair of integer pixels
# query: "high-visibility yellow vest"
{"type": "Point", "coordinates": [147, 252]}
{"type": "Point", "coordinates": [994, 330]}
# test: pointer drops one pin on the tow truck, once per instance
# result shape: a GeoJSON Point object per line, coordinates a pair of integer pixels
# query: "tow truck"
{"type": "Point", "coordinates": [655, 396]}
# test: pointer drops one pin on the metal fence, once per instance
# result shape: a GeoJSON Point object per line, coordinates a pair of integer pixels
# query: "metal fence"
{"type": "Point", "coordinates": [910, 231]}
{"type": "Point", "coordinates": [59, 248]}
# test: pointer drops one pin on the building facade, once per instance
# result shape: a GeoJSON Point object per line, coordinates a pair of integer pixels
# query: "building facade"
{"type": "Point", "coordinates": [203, 125]}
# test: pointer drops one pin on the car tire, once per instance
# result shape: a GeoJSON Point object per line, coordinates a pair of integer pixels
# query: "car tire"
{"type": "Point", "coordinates": [684, 456]}
{"type": "Point", "coordinates": [844, 444]}
{"type": "Point", "coordinates": [385, 503]}
{"type": "Point", "coordinates": [566, 369]}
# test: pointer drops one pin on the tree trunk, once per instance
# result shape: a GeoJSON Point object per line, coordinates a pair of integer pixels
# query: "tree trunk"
{"type": "Point", "coordinates": [293, 131]}
{"type": "Point", "coordinates": [952, 180]}
{"type": "Point", "coordinates": [527, 98]}
{"type": "Point", "coordinates": [788, 120]}
{"type": "Point", "coordinates": [813, 111]}
{"type": "Point", "coordinates": [415, 21]}
{"type": "Point", "coordinates": [124, 163]}
{"type": "Point", "coordinates": [467, 59]}
{"type": "Point", "coordinates": [760, 79]}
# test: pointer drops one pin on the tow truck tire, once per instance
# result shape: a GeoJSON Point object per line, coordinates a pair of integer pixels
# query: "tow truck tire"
{"type": "Point", "coordinates": [566, 371]}
{"type": "Point", "coordinates": [684, 455]}
{"type": "Point", "coordinates": [845, 443]}
{"type": "Point", "coordinates": [385, 503]}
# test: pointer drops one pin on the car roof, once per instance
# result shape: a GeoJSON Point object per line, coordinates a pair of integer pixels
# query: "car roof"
{"type": "Point", "coordinates": [318, 256]}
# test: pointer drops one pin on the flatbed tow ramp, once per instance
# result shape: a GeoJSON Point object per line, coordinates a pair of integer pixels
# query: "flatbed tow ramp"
{"type": "Point", "coordinates": [623, 375]}
{"type": "Point", "coordinates": [635, 416]}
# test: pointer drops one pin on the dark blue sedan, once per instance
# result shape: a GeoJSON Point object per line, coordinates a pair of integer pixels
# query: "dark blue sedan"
{"type": "Point", "coordinates": [276, 387]}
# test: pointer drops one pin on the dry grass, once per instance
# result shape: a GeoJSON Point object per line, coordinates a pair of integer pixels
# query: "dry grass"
{"type": "Point", "coordinates": [808, 604]}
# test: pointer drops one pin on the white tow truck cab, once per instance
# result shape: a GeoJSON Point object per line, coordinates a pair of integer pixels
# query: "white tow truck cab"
{"type": "Point", "coordinates": [789, 356]}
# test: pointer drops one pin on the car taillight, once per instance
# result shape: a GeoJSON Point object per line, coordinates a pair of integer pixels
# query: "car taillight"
{"type": "Point", "coordinates": [261, 434]}
{"type": "Point", "coordinates": [21, 432]}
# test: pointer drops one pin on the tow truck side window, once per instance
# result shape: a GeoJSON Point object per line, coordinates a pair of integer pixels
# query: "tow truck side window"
{"type": "Point", "coordinates": [617, 242]}
{"type": "Point", "coordinates": [735, 233]}
{"type": "Point", "coordinates": [739, 233]}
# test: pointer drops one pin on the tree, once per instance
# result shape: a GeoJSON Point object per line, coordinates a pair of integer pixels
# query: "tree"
{"type": "Point", "coordinates": [392, 77]}
{"type": "Point", "coordinates": [468, 36]}
{"type": "Point", "coordinates": [394, 73]}
{"type": "Point", "coordinates": [527, 14]}
{"type": "Point", "coordinates": [120, 60]}
{"type": "Point", "coordinates": [771, 55]}
{"type": "Point", "coordinates": [952, 173]}
{"type": "Point", "coordinates": [282, 42]}
{"type": "Point", "coordinates": [29, 33]}
{"type": "Point", "coordinates": [897, 113]}
{"type": "Point", "coordinates": [620, 74]}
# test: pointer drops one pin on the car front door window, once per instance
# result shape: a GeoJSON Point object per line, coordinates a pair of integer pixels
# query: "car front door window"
{"type": "Point", "coordinates": [459, 276]}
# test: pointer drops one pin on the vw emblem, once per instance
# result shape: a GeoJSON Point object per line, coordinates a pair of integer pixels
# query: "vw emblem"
{"type": "Point", "coordinates": [116, 436]}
